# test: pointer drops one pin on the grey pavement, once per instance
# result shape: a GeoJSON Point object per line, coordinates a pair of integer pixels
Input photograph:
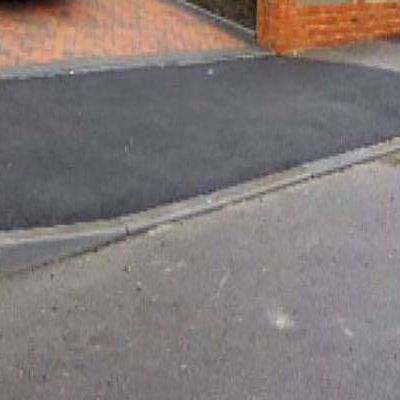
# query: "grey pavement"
{"type": "Point", "coordinates": [294, 295]}
{"type": "Point", "coordinates": [382, 54]}
{"type": "Point", "coordinates": [101, 145]}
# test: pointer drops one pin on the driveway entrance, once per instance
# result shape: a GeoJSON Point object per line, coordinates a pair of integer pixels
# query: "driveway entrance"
{"type": "Point", "coordinates": [37, 32]}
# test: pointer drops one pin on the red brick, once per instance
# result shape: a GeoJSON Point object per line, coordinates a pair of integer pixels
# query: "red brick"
{"type": "Point", "coordinates": [306, 27]}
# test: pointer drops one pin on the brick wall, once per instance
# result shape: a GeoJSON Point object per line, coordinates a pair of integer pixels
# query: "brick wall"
{"type": "Point", "coordinates": [288, 26]}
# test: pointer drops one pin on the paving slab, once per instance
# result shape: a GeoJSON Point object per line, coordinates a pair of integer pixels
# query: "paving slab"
{"type": "Point", "coordinates": [383, 54]}
{"type": "Point", "coordinates": [40, 32]}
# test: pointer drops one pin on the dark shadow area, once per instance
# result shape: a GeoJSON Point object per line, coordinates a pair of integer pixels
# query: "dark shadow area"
{"type": "Point", "coordinates": [20, 7]}
{"type": "Point", "coordinates": [240, 11]}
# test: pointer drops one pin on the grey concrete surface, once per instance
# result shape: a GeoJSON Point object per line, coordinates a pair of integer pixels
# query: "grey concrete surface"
{"type": "Point", "coordinates": [23, 254]}
{"type": "Point", "coordinates": [382, 54]}
{"type": "Point", "coordinates": [294, 295]}
{"type": "Point", "coordinates": [102, 145]}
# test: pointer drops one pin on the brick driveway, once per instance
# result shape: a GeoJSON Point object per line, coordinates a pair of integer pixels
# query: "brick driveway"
{"type": "Point", "coordinates": [43, 31]}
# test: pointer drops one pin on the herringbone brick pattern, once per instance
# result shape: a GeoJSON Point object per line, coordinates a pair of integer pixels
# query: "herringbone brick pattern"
{"type": "Point", "coordinates": [43, 31]}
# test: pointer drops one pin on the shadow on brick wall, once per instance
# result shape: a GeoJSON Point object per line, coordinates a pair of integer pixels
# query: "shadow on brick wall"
{"type": "Point", "coordinates": [24, 5]}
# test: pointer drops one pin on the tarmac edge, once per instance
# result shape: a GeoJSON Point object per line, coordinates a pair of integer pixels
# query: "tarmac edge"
{"type": "Point", "coordinates": [24, 249]}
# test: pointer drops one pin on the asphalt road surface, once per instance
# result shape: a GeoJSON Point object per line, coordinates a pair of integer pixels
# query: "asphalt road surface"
{"type": "Point", "coordinates": [79, 148]}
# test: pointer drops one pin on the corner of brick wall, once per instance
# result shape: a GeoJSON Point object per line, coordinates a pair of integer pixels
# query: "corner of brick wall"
{"type": "Point", "coordinates": [286, 27]}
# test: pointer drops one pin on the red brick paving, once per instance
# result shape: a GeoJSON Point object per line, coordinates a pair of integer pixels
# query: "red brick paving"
{"type": "Point", "coordinates": [43, 31]}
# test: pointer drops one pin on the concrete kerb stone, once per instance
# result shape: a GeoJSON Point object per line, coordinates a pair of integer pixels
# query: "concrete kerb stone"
{"type": "Point", "coordinates": [21, 249]}
{"type": "Point", "coordinates": [93, 65]}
